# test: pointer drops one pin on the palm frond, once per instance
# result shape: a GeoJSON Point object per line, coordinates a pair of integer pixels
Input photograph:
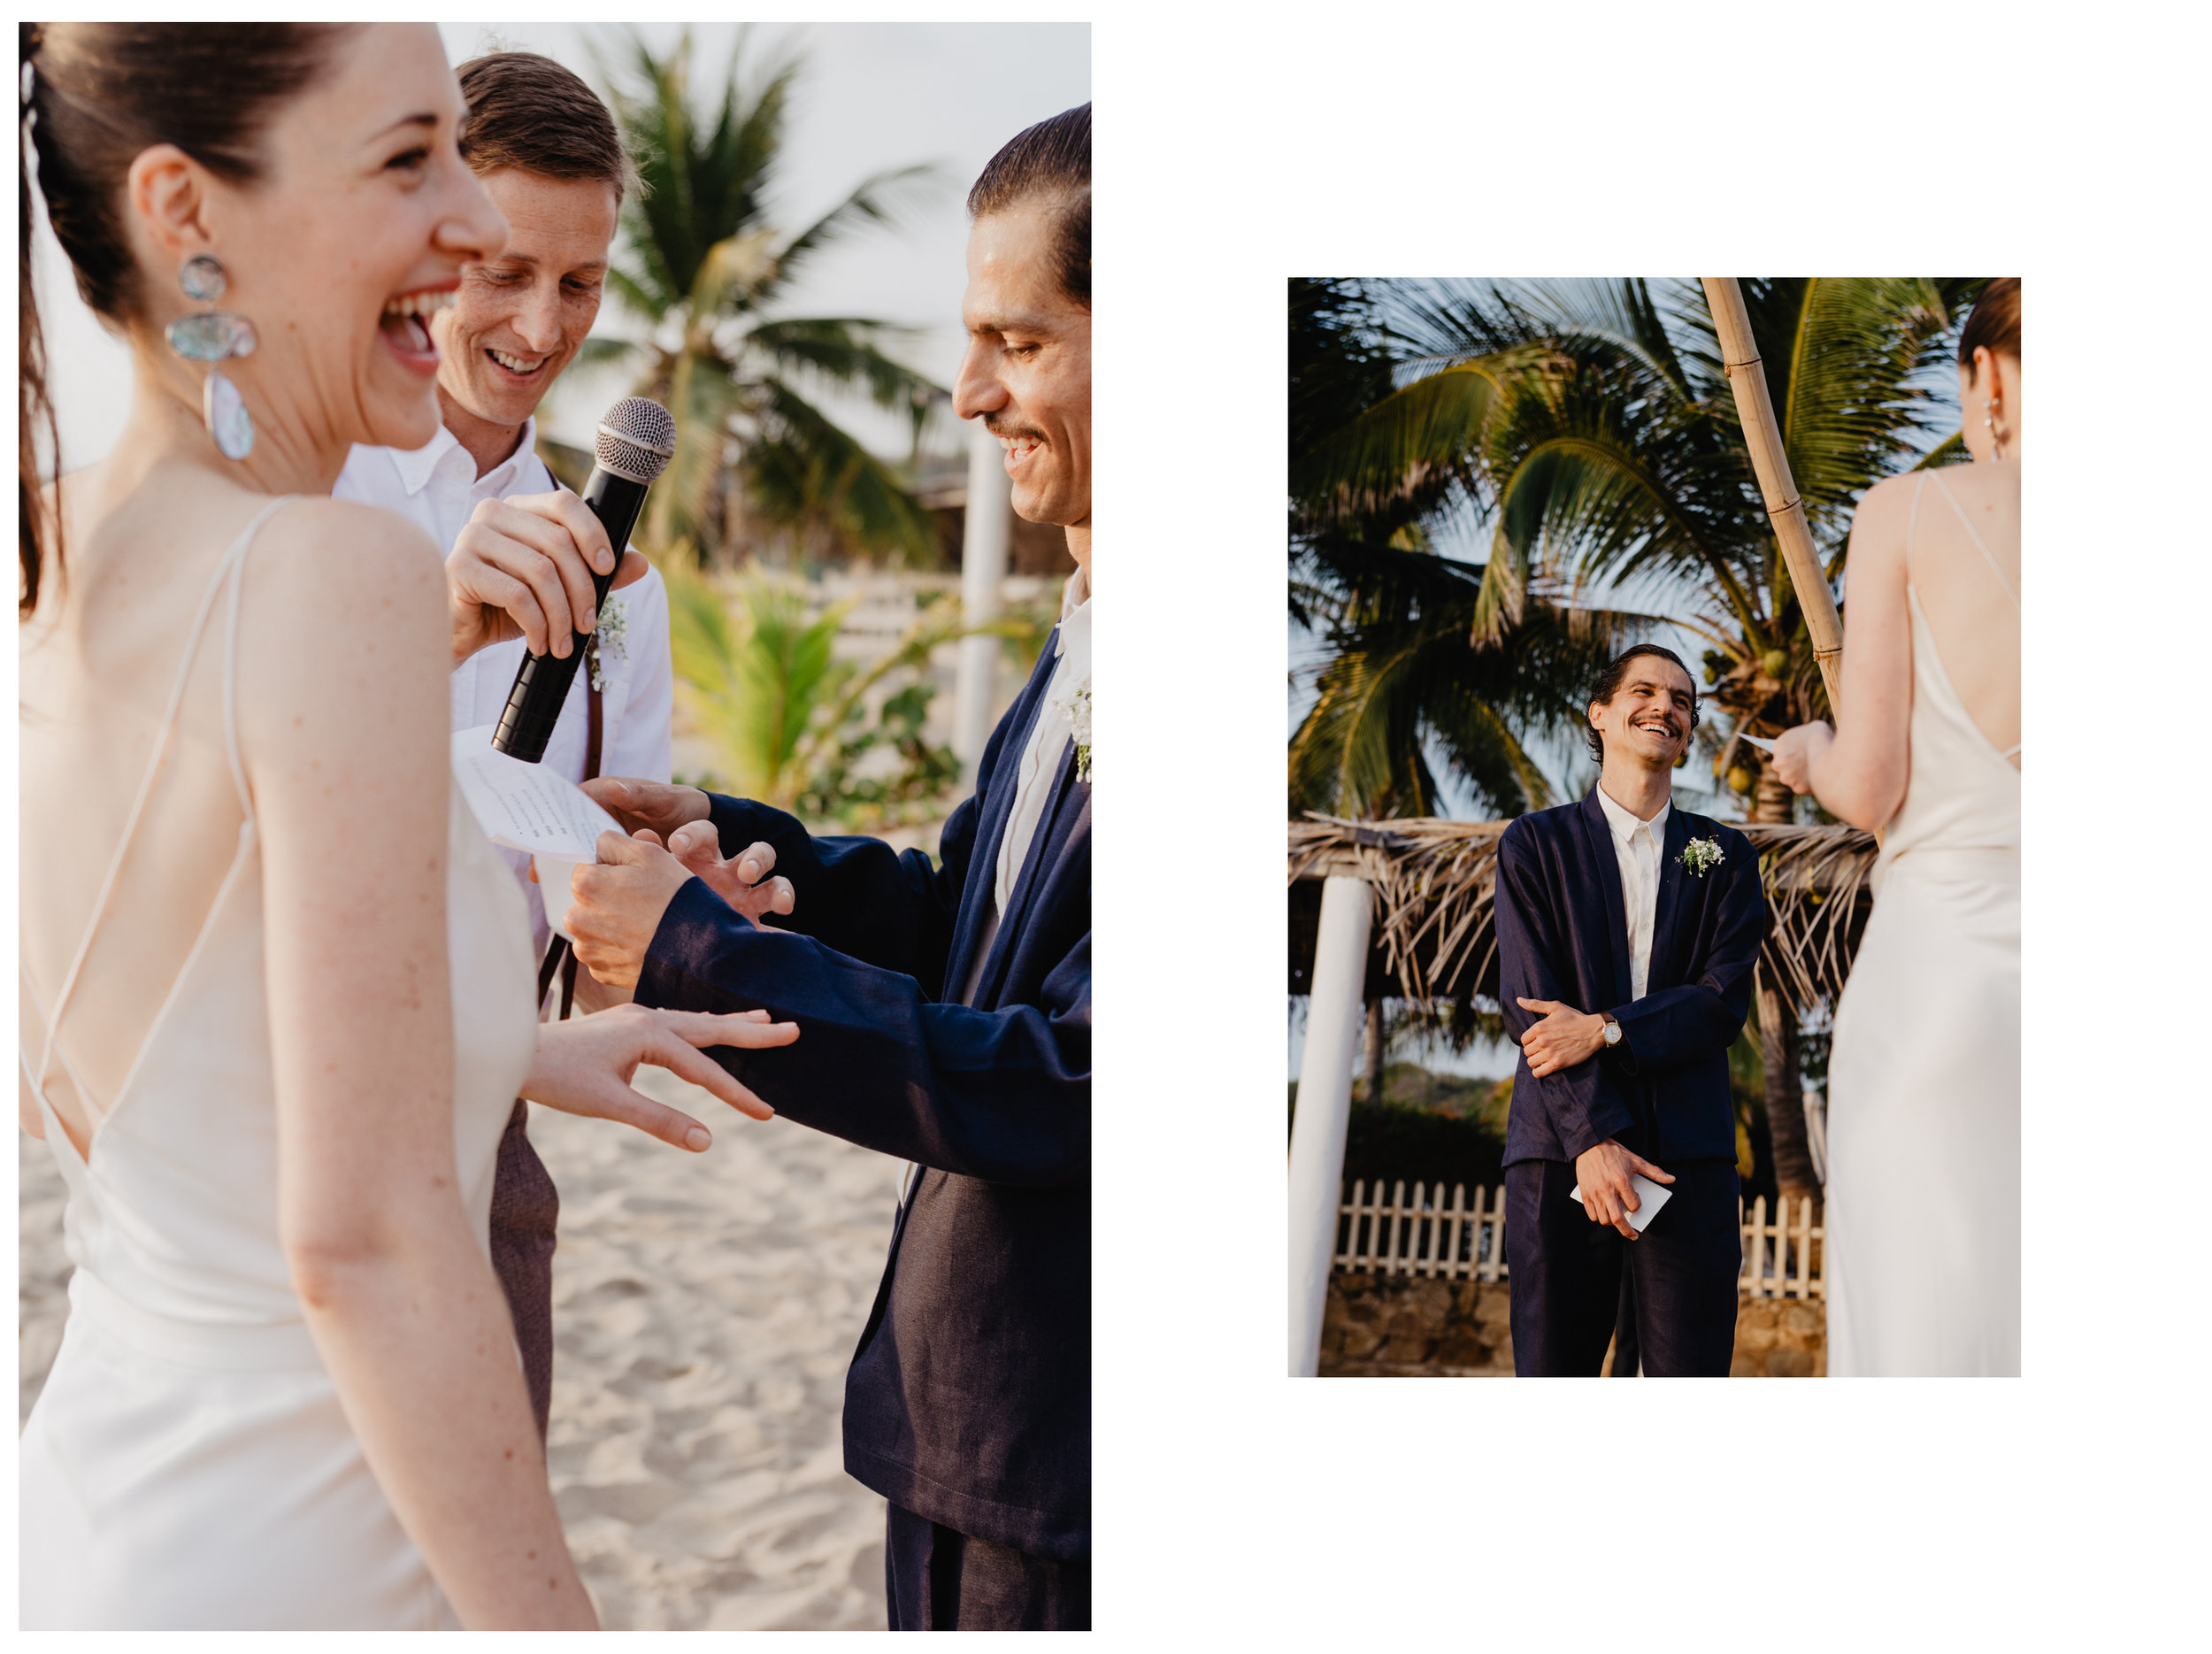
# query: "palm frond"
{"type": "Point", "coordinates": [805, 470]}
{"type": "Point", "coordinates": [876, 200]}
{"type": "Point", "coordinates": [843, 352]}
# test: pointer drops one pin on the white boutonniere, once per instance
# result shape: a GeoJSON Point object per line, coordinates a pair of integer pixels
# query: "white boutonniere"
{"type": "Point", "coordinates": [612, 633]}
{"type": "Point", "coordinates": [1701, 856]}
{"type": "Point", "coordinates": [1076, 711]}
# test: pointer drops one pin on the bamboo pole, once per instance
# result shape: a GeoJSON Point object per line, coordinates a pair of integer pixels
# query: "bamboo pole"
{"type": "Point", "coordinates": [1755, 407]}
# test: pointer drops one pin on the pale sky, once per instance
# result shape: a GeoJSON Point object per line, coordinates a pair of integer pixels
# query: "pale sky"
{"type": "Point", "coordinates": [872, 95]}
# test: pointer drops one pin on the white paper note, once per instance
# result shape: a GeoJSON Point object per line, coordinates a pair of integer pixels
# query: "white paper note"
{"type": "Point", "coordinates": [526, 806]}
{"type": "Point", "coordinates": [1649, 1198]}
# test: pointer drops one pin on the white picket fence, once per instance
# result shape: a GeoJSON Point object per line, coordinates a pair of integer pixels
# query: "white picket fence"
{"type": "Point", "coordinates": [1462, 1240]}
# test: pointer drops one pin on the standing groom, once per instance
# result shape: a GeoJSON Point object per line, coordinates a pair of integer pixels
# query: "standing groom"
{"type": "Point", "coordinates": [945, 1012]}
{"type": "Point", "coordinates": [520, 552]}
{"type": "Point", "coordinates": [1652, 918]}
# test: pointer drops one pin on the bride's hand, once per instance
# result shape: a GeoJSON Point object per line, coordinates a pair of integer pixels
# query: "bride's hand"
{"type": "Point", "coordinates": [583, 1067]}
{"type": "Point", "coordinates": [1797, 751]}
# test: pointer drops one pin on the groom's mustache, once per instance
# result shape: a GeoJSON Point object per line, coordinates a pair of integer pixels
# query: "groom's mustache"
{"type": "Point", "coordinates": [1005, 431]}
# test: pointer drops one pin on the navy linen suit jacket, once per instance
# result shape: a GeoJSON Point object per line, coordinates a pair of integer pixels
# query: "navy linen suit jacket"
{"type": "Point", "coordinates": [1563, 934]}
{"type": "Point", "coordinates": [969, 1398]}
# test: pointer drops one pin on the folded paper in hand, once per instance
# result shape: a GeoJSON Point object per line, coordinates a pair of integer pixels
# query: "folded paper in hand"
{"type": "Point", "coordinates": [526, 806]}
{"type": "Point", "coordinates": [1649, 1198]}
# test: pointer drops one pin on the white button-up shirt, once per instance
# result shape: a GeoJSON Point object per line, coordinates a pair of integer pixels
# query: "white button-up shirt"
{"type": "Point", "coordinates": [436, 486]}
{"type": "Point", "coordinates": [1039, 761]}
{"type": "Point", "coordinates": [1638, 845]}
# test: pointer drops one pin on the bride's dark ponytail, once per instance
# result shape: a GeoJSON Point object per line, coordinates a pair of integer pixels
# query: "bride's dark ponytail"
{"type": "Point", "coordinates": [35, 409]}
{"type": "Point", "coordinates": [1994, 323]}
{"type": "Point", "coordinates": [94, 96]}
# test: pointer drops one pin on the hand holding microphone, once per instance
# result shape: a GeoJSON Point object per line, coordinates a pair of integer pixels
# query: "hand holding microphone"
{"type": "Point", "coordinates": [635, 441]}
{"type": "Point", "coordinates": [524, 567]}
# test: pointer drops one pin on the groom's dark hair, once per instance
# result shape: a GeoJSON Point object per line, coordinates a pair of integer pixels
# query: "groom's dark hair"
{"type": "Point", "coordinates": [1051, 162]}
{"type": "Point", "coordinates": [1609, 684]}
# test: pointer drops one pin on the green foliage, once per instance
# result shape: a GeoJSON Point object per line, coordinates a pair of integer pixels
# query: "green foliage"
{"type": "Point", "coordinates": [702, 266]}
{"type": "Point", "coordinates": [790, 724]}
{"type": "Point", "coordinates": [1430, 1127]}
{"type": "Point", "coordinates": [914, 791]}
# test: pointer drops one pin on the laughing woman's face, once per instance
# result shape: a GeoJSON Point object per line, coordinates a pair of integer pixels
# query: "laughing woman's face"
{"type": "Point", "coordinates": [349, 245]}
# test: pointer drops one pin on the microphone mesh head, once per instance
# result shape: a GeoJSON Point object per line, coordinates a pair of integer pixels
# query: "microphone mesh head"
{"type": "Point", "coordinates": [636, 439]}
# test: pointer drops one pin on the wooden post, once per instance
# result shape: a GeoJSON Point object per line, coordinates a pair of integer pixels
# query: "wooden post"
{"type": "Point", "coordinates": [983, 544]}
{"type": "Point", "coordinates": [1324, 1109]}
{"type": "Point", "coordinates": [1755, 408]}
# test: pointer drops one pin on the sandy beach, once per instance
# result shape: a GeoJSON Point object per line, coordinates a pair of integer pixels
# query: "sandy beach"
{"type": "Point", "coordinates": [705, 1309]}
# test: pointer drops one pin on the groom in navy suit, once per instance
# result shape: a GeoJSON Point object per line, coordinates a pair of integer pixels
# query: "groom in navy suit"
{"type": "Point", "coordinates": [945, 1012]}
{"type": "Point", "coordinates": [1627, 934]}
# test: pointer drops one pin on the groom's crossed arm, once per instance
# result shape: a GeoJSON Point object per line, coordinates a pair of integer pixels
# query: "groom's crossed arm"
{"type": "Point", "coordinates": [1582, 1101]}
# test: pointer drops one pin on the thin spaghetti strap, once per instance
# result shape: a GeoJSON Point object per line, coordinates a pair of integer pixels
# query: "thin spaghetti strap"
{"type": "Point", "coordinates": [145, 785]}
{"type": "Point", "coordinates": [230, 656]}
{"type": "Point", "coordinates": [1967, 523]}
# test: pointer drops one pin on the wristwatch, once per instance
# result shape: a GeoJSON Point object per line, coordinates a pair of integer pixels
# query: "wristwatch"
{"type": "Point", "coordinates": [1612, 1030]}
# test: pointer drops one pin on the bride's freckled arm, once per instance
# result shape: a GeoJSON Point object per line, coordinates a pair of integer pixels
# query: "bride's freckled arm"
{"type": "Point", "coordinates": [343, 714]}
{"type": "Point", "coordinates": [1860, 777]}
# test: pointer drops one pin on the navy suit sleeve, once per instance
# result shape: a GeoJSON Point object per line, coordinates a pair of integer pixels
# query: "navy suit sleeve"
{"type": "Point", "coordinates": [1582, 1102]}
{"type": "Point", "coordinates": [888, 908]}
{"type": "Point", "coordinates": [1002, 1095]}
{"type": "Point", "coordinates": [1677, 1026]}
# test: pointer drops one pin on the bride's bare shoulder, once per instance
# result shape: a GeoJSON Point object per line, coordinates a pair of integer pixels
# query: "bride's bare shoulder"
{"type": "Point", "coordinates": [348, 566]}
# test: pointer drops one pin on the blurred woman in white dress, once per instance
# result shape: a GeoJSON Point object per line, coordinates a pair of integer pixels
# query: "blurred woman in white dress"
{"type": "Point", "coordinates": [1923, 1082]}
{"type": "Point", "coordinates": [276, 985]}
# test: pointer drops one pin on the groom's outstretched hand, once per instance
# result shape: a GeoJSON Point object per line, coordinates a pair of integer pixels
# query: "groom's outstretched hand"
{"type": "Point", "coordinates": [654, 807]}
{"type": "Point", "coordinates": [1602, 1174]}
{"type": "Point", "coordinates": [742, 881]}
{"type": "Point", "coordinates": [677, 816]}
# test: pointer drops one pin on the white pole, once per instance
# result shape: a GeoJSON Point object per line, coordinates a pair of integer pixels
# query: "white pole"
{"type": "Point", "coordinates": [1324, 1110]}
{"type": "Point", "coordinates": [983, 545]}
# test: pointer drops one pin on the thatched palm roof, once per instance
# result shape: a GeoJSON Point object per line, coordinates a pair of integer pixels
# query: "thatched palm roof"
{"type": "Point", "coordinates": [1432, 936]}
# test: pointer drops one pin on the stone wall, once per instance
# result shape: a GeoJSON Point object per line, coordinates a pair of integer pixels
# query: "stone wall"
{"type": "Point", "coordinates": [1410, 1326]}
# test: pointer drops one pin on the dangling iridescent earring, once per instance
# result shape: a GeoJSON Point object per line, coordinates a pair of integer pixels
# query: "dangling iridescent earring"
{"type": "Point", "coordinates": [1996, 436]}
{"type": "Point", "coordinates": [212, 336]}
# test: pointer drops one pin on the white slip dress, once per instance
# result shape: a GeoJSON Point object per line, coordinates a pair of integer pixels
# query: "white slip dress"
{"type": "Point", "coordinates": [1924, 1080]}
{"type": "Point", "coordinates": [187, 1465]}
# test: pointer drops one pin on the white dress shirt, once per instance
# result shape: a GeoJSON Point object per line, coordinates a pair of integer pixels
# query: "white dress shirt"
{"type": "Point", "coordinates": [1638, 845]}
{"type": "Point", "coordinates": [1039, 761]}
{"type": "Point", "coordinates": [437, 487]}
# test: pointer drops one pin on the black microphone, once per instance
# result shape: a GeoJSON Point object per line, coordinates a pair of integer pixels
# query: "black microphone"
{"type": "Point", "coordinates": [635, 441]}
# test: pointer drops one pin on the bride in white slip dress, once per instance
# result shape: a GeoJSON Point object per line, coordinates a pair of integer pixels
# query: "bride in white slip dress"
{"type": "Point", "coordinates": [1923, 1199]}
{"type": "Point", "coordinates": [276, 991]}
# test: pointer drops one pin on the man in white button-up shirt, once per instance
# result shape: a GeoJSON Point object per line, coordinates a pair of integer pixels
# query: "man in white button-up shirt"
{"type": "Point", "coordinates": [520, 553]}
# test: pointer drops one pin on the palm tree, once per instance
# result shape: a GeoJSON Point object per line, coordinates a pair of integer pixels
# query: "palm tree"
{"type": "Point", "coordinates": [702, 266]}
{"type": "Point", "coordinates": [1592, 426]}
{"type": "Point", "coordinates": [1399, 682]}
